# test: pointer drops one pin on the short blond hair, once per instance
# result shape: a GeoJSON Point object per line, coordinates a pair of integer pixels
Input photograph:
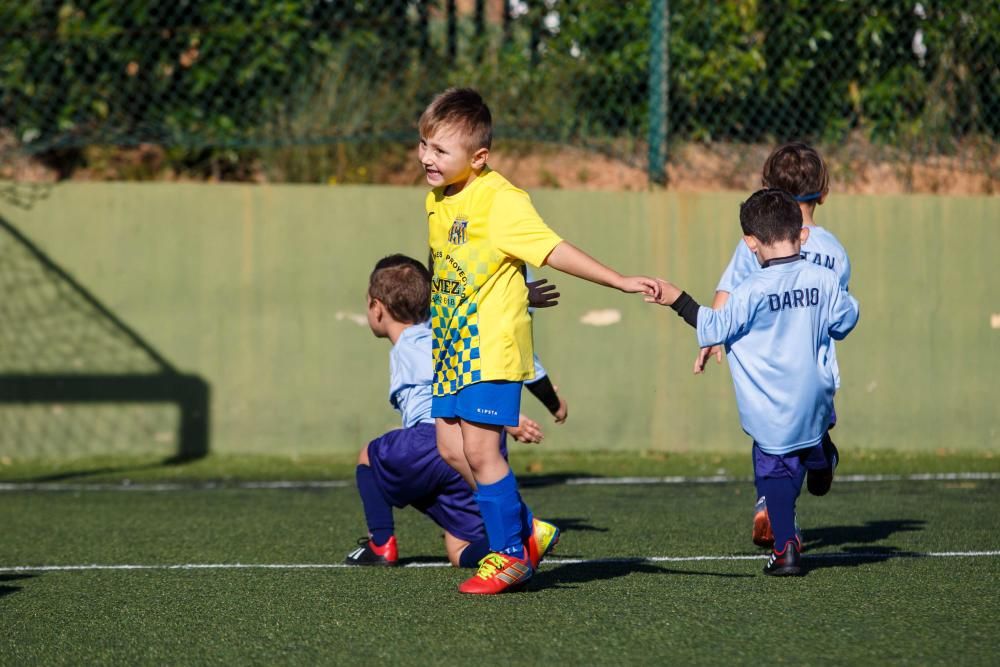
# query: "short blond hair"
{"type": "Point", "coordinates": [464, 110]}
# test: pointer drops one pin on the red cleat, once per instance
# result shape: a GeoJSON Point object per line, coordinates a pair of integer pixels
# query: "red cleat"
{"type": "Point", "coordinates": [762, 535]}
{"type": "Point", "coordinates": [785, 563]}
{"type": "Point", "coordinates": [498, 573]}
{"type": "Point", "coordinates": [368, 553]}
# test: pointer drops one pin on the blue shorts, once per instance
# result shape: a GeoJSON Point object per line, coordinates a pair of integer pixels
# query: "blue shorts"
{"type": "Point", "coordinates": [497, 403]}
{"type": "Point", "coordinates": [794, 464]}
{"type": "Point", "coordinates": [410, 471]}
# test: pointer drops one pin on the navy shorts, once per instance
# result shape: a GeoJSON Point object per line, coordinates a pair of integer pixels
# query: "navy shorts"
{"type": "Point", "coordinates": [496, 402]}
{"type": "Point", "coordinates": [410, 471]}
{"type": "Point", "coordinates": [793, 464]}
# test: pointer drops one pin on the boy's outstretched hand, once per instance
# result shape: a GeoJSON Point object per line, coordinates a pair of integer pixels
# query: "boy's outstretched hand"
{"type": "Point", "coordinates": [667, 294]}
{"type": "Point", "coordinates": [640, 285]}
{"type": "Point", "coordinates": [542, 294]}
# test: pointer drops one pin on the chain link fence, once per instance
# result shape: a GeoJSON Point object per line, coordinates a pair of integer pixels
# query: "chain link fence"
{"type": "Point", "coordinates": [322, 90]}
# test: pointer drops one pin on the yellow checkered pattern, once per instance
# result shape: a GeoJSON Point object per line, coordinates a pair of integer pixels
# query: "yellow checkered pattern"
{"type": "Point", "coordinates": [455, 318]}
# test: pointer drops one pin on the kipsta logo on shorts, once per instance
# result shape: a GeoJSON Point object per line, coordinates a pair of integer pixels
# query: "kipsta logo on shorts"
{"type": "Point", "coordinates": [459, 234]}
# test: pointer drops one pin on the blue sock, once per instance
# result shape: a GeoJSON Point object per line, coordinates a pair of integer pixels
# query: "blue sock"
{"type": "Point", "coordinates": [781, 494]}
{"type": "Point", "coordinates": [474, 553]}
{"type": "Point", "coordinates": [500, 505]}
{"type": "Point", "coordinates": [378, 512]}
{"type": "Point", "coordinates": [526, 520]}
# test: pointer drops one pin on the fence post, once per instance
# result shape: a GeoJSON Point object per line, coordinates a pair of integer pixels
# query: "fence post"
{"type": "Point", "coordinates": [659, 70]}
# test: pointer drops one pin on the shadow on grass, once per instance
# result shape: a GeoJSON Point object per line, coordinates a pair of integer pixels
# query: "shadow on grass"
{"type": "Point", "coordinates": [869, 533]}
{"type": "Point", "coordinates": [855, 556]}
{"type": "Point", "coordinates": [10, 590]}
{"type": "Point", "coordinates": [858, 543]}
{"type": "Point", "coordinates": [574, 525]}
{"type": "Point", "coordinates": [569, 575]}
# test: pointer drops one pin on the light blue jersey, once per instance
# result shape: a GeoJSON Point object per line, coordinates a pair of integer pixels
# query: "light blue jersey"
{"type": "Point", "coordinates": [821, 248]}
{"type": "Point", "coordinates": [411, 374]}
{"type": "Point", "coordinates": [529, 277]}
{"type": "Point", "coordinates": [778, 326]}
{"type": "Point", "coordinates": [540, 371]}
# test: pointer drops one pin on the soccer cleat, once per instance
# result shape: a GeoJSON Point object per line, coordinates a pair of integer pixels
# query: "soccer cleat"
{"type": "Point", "coordinates": [785, 563]}
{"type": "Point", "coordinates": [544, 536]}
{"type": "Point", "coordinates": [498, 573]}
{"type": "Point", "coordinates": [762, 535]}
{"type": "Point", "coordinates": [819, 481]}
{"type": "Point", "coordinates": [368, 553]}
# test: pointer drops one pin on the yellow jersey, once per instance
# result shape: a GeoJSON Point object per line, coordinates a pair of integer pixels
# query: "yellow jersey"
{"type": "Point", "coordinates": [480, 239]}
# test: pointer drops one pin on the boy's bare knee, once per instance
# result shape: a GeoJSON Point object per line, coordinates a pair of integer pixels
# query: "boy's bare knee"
{"type": "Point", "coordinates": [483, 457]}
{"type": "Point", "coordinates": [454, 546]}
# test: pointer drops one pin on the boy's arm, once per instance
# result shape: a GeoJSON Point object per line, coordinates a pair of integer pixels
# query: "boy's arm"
{"type": "Point", "coordinates": [548, 395]}
{"type": "Point", "coordinates": [713, 326]}
{"type": "Point", "coordinates": [682, 303]}
{"type": "Point", "coordinates": [844, 313]}
{"type": "Point", "coordinates": [721, 296]}
{"type": "Point", "coordinates": [569, 259]}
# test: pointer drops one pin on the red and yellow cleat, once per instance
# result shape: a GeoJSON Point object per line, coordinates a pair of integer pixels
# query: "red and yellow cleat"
{"type": "Point", "coordinates": [544, 536]}
{"type": "Point", "coordinates": [498, 573]}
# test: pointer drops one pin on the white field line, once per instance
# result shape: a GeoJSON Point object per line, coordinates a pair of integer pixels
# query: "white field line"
{"type": "Point", "coordinates": [875, 555]}
{"type": "Point", "coordinates": [172, 486]}
{"type": "Point", "coordinates": [725, 479]}
{"type": "Point", "coordinates": [571, 481]}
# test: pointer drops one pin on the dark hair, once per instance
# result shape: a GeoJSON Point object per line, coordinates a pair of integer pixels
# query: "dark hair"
{"type": "Point", "coordinates": [403, 285]}
{"type": "Point", "coordinates": [797, 169]}
{"type": "Point", "coordinates": [463, 109]}
{"type": "Point", "coordinates": [771, 215]}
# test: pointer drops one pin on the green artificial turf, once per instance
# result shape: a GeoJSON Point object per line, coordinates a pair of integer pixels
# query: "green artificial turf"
{"type": "Point", "coordinates": [871, 594]}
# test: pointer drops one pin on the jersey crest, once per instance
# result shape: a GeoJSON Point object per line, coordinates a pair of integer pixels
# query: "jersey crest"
{"type": "Point", "coordinates": [459, 233]}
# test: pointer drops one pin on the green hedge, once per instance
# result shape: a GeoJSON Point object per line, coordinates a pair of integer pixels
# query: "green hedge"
{"type": "Point", "coordinates": [249, 73]}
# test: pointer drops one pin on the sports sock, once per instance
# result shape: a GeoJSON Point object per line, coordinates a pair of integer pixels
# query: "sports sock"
{"type": "Point", "coordinates": [526, 520]}
{"type": "Point", "coordinates": [781, 494]}
{"type": "Point", "coordinates": [378, 512]}
{"type": "Point", "coordinates": [474, 553]}
{"type": "Point", "coordinates": [500, 505]}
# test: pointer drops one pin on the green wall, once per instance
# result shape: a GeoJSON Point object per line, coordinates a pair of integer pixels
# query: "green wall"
{"type": "Point", "coordinates": [256, 288]}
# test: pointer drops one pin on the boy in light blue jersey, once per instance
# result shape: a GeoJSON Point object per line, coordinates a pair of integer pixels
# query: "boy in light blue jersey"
{"type": "Point", "coordinates": [799, 170]}
{"type": "Point", "coordinates": [542, 295]}
{"type": "Point", "coordinates": [778, 327]}
{"type": "Point", "coordinates": [403, 467]}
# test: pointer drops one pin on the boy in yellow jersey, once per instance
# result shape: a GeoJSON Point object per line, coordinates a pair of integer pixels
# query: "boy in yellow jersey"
{"type": "Point", "coordinates": [482, 231]}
